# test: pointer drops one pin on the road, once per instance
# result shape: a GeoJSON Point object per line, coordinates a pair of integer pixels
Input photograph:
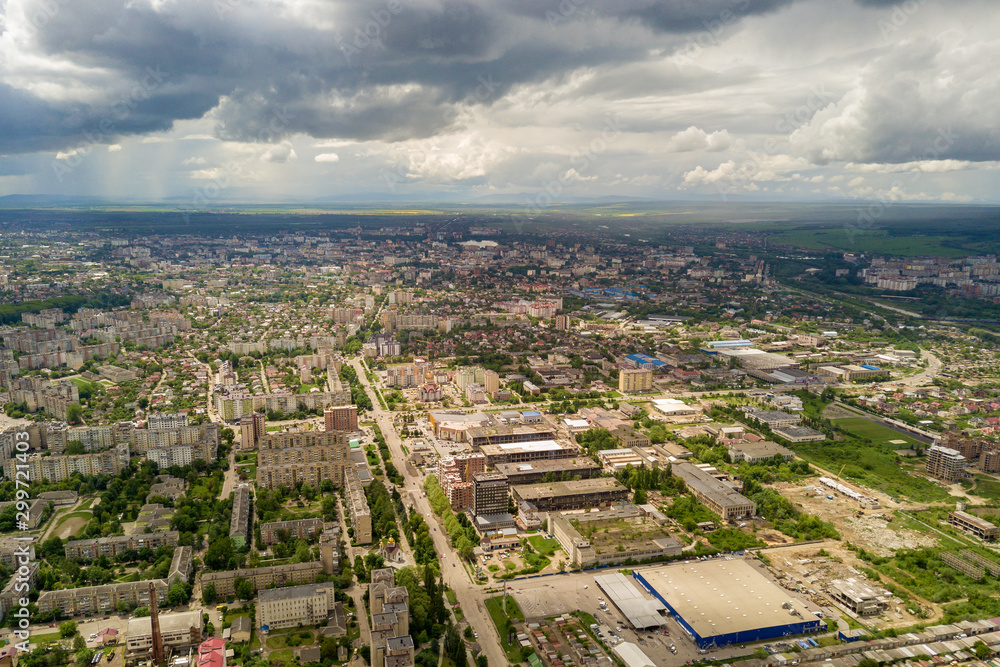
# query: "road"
{"type": "Point", "coordinates": [456, 577]}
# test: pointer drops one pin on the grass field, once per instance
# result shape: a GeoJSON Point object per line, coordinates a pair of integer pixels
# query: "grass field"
{"type": "Point", "coordinates": [44, 639]}
{"type": "Point", "coordinates": [301, 638]}
{"type": "Point", "coordinates": [873, 466]}
{"type": "Point", "coordinates": [876, 241]}
{"type": "Point", "coordinates": [878, 434]}
{"type": "Point", "coordinates": [495, 607]}
{"type": "Point", "coordinates": [281, 656]}
{"type": "Point", "coordinates": [543, 545]}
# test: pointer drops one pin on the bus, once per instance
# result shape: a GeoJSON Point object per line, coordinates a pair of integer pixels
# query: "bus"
{"type": "Point", "coordinates": [220, 607]}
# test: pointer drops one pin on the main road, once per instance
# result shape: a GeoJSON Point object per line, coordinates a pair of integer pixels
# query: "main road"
{"type": "Point", "coordinates": [468, 594]}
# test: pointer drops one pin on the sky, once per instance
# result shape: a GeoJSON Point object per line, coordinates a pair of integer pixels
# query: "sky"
{"type": "Point", "coordinates": [537, 101]}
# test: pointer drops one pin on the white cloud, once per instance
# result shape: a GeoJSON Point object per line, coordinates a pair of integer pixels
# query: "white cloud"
{"type": "Point", "coordinates": [696, 139]}
{"type": "Point", "coordinates": [327, 157]}
{"type": "Point", "coordinates": [199, 161]}
{"type": "Point", "coordinates": [114, 148]}
{"type": "Point", "coordinates": [279, 153]}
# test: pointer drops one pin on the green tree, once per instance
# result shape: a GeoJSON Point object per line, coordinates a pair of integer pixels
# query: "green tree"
{"type": "Point", "coordinates": [208, 594]}
{"type": "Point", "coordinates": [74, 413]}
{"type": "Point", "coordinates": [67, 629]}
{"type": "Point", "coordinates": [244, 588]}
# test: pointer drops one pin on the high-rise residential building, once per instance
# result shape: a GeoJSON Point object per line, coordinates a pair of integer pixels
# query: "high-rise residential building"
{"type": "Point", "coordinates": [562, 322]}
{"type": "Point", "coordinates": [945, 463]}
{"type": "Point", "coordinates": [490, 490]}
{"type": "Point", "coordinates": [252, 429]}
{"type": "Point", "coordinates": [310, 457]}
{"type": "Point", "coordinates": [491, 382]}
{"type": "Point", "coordinates": [635, 380]}
{"type": "Point", "coordinates": [341, 418]}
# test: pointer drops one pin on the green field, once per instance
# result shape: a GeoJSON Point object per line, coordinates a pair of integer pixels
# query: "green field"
{"type": "Point", "coordinates": [873, 466]}
{"type": "Point", "coordinates": [495, 607]}
{"type": "Point", "coordinates": [878, 434]}
{"type": "Point", "coordinates": [876, 241]}
{"type": "Point", "coordinates": [543, 545]}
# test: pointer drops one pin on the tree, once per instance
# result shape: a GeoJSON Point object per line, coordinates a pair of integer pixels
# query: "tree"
{"type": "Point", "coordinates": [981, 649]}
{"type": "Point", "coordinates": [179, 593]}
{"type": "Point", "coordinates": [79, 643]}
{"type": "Point", "coordinates": [74, 413]}
{"type": "Point", "coordinates": [208, 594]}
{"type": "Point", "coordinates": [244, 588]}
{"type": "Point", "coordinates": [67, 629]}
{"type": "Point", "coordinates": [218, 554]}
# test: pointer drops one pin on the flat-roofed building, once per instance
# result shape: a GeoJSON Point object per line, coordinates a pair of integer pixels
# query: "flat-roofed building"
{"type": "Point", "coordinates": [945, 463]}
{"type": "Point", "coordinates": [672, 407]}
{"type": "Point", "coordinates": [239, 523]}
{"type": "Point", "coordinates": [717, 496]}
{"type": "Point", "coordinates": [758, 452]}
{"type": "Point", "coordinates": [295, 606]}
{"type": "Point", "coordinates": [798, 434]}
{"type": "Point", "coordinates": [94, 548]}
{"type": "Point", "coordinates": [522, 452]}
{"type": "Point", "coordinates": [262, 577]}
{"type": "Point", "coordinates": [177, 630]}
{"type": "Point", "coordinates": [970, 523]}
{"type": "Point", "coordinates": [859, 597]}
{"type": "Point", "coordinates": [773, 418]}
{"type": "Point", "coordinates": [101, 599]}
{"type": "Point", "coordinates": [297, 529]}
{"type": "Point", "coordinates": [557, 496]}
{"type": "Point", "coordinates": [490, 492]}
{"type": "Point", "coordinates": [310, 457]}
{"type": "Point", "coordinates": [635, 380]}
{"type": "Point", "coordinates": [341, 418]}
{"type": "Point", "coordinates": [557, 470]}
{"type": "Point", "coordinates": [506, 434]}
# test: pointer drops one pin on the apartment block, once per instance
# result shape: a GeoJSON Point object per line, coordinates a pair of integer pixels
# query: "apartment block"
{"type": "Point", "coordinates": [635, 380]}
{"type": "Point", "coordinates": [60, 468]}
{"type": "Point", "coordinates": [101, 599]}
{"type": "Point", "coordinates": [341, 418]}
{"type": "Point", "coordinates": [298, 529]}
{"type": "Point", "coordinates": [310, 457]}
{"type": "Point", "coordinates": [357, 507]}
{"type": "Point", "coordinates": [239, 523]}
{"type": "Point", "coordinates": [92, 549]}
{"type": "Point", "coordinates": [252, 429]}
{"type": "Point", "coordinates": [945, 463]}
{"type": "Point", "coordinates": [262, 577]}
{"type": "Point", "coordinates": [295, 606]}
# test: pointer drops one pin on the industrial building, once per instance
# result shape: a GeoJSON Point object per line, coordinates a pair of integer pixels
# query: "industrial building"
{"type": "Point", "coordinates": [721, 602]}
{"type": "Point", "coordinates": [758, 452]}
{"type": "Point", "coordinates": [178, 630]}
{"type": "Point", "coordinates": [556, 469]}
{"type": "Point", "coordinates": [859, 597]}
{"type": "Point", "coordinates": [558, 496]}
{"type": "Point", "coordinates": [525, 452]}
{"type": "Point", "coordinates": [641, 612]}
{"type": "Point", "coordinates": [981, 528]}
{"type": "Point", "coordinates": [715, 495]}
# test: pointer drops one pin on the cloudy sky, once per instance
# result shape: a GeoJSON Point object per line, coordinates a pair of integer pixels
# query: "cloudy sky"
{"type": "Point", "coordinates": [221, 100]}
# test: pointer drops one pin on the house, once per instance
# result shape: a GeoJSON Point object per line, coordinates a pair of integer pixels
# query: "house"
{"type": "Point", "coordinates": [240, 630]}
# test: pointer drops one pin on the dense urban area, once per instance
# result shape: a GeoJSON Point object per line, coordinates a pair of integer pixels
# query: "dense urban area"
{"type": "Point", "coordinates": [466, 438]}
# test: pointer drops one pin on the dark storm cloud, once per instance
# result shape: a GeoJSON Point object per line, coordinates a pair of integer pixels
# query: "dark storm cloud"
{"type": "Point", "coordinates": [384, 70]}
